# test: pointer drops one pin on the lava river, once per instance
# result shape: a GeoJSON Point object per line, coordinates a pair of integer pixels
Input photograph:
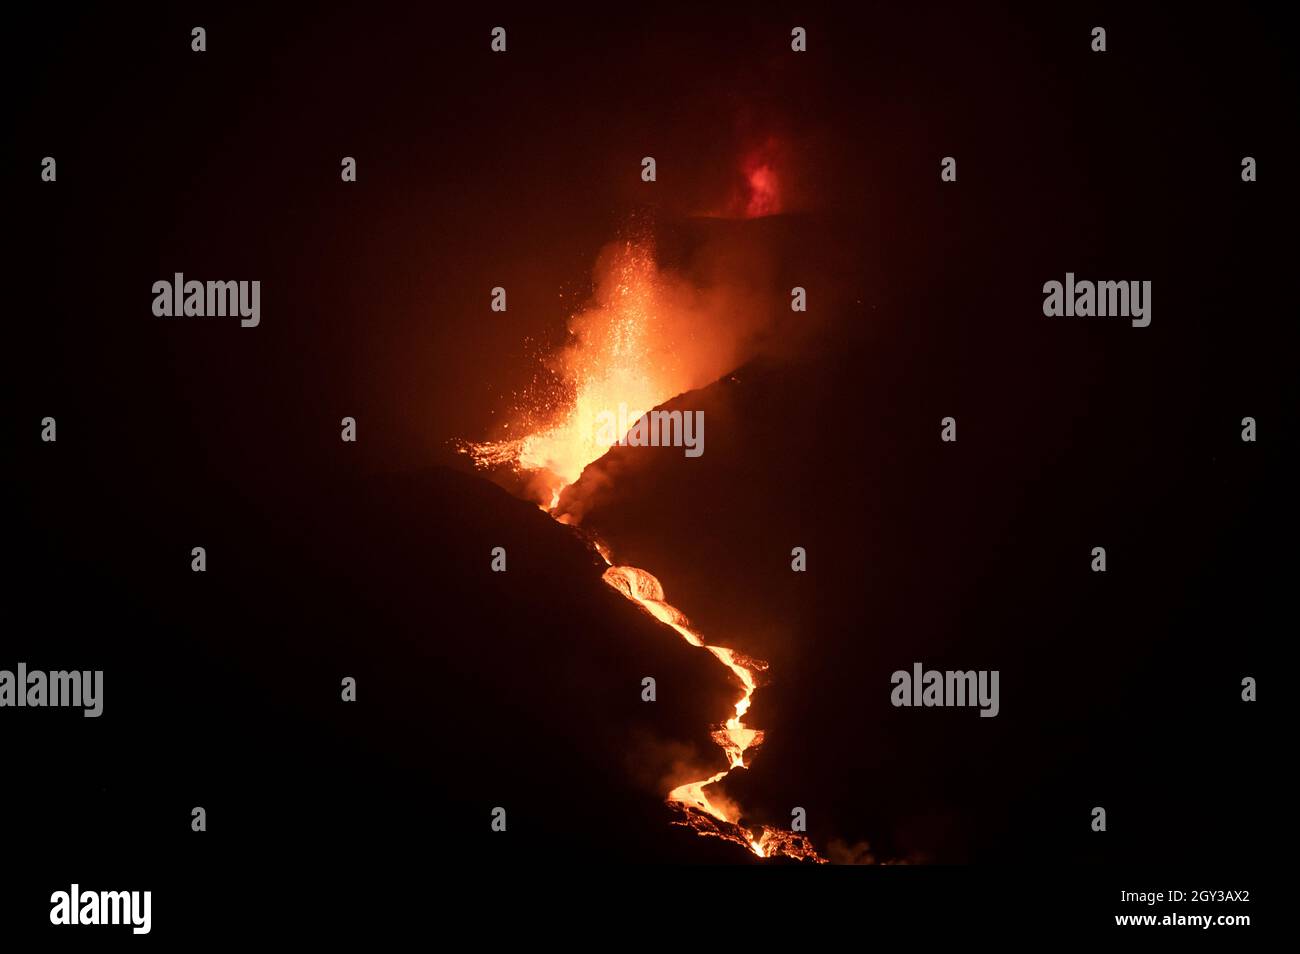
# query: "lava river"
{"type": "Point", "coordinates": [714, 816]}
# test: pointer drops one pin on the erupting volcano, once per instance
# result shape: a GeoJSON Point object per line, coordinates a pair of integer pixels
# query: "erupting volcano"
{"type": "Point", "coordinates": [645, 339]}
{"type": "Point", "coordinates": [616, 357]}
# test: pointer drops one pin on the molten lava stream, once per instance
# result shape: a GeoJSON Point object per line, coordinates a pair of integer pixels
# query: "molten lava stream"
{"type": "Point", "coordinates": [715, 817]}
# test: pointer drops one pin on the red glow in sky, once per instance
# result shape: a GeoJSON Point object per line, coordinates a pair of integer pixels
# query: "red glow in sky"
{"type": "Point", "coordinates": [764, 191]}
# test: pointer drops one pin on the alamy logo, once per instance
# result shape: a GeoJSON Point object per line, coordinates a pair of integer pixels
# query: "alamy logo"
{"type": "Point", "coordinates": [38, 689]}
{"type": "Point", "coordinates": [933, 687]}
{"type": "Point", "coordinates": [656, 429]}
{"type": "Point", "coordinates": [103, 907]}
{"type": "Point", "coordinates": [192, 299]}
{"type": "Point", "coordinates": [1087, 299]}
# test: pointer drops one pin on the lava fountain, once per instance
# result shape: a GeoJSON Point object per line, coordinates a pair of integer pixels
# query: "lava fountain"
{"type": "Point", "coordinates": [638, 345]}
{"type": "Point", "coordinates": [616, 353]}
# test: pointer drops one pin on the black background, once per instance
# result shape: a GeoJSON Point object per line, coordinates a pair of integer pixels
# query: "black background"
{"type": "Point", "coordinates": [326, 559]}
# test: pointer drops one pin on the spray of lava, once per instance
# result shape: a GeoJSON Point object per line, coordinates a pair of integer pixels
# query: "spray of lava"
{"type": "Point", "coordinates": [616, 354]}
{"type": "Point", "coordinates": [628, 348]}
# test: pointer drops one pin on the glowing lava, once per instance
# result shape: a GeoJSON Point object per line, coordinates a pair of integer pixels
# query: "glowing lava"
{"type": "Point", "coordinates": [620, 352]}
{"type": "Point", "coordinates": [764, 194]}
{"type": "Point", "coordinates": [715, 815]}
{"type": "Point", "coordinates": [615, 356]}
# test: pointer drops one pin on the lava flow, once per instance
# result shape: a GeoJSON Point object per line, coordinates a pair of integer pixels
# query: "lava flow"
{"type": "Point", "coordinates": [623, 351]}
{"type": "Point", "coordinates": [714, 816]}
